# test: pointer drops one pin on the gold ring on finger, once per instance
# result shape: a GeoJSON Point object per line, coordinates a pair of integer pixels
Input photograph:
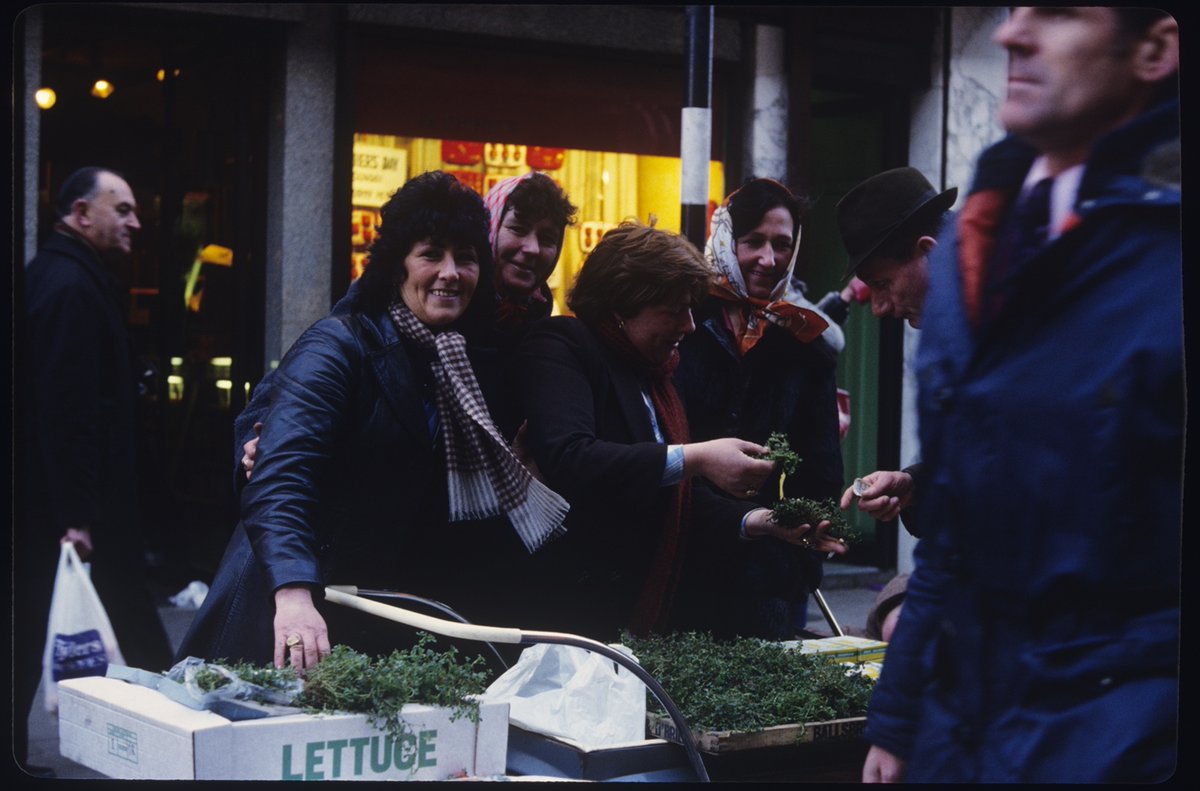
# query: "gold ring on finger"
{"type": "Point", "coordinates": [294, 641]}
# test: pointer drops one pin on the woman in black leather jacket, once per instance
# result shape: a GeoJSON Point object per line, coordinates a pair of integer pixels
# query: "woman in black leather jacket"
{"type": "Point", "coordinates": [378, 464]}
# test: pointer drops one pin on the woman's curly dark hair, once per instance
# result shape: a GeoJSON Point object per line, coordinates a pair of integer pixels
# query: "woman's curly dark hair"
{"type": "Point", "coordinates": [436, 206]}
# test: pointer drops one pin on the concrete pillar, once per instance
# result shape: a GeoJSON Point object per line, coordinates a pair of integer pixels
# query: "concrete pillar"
{"type": "Point", "coordinates": [977, 84]}
{"type": "Point", "coordinates": [767, 136]}
{"type": "Point", "coordinates": [300, 223]}
{"type": "Point", "coordinates": [952, 123]}
{"type": "Point", "coordinates": [31, 118]}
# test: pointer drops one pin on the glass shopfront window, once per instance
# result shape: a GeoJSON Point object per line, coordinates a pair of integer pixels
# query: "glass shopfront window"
{"type": "Point", "coordinates": [608, 187]}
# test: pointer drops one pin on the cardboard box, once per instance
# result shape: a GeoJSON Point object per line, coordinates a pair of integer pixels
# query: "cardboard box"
{"type": "Point", "coordinates": [871, 669]}
{"type": "Point", "coordinates": [841, 649]}
{"type": "Point", "coordinates": [131, 732]}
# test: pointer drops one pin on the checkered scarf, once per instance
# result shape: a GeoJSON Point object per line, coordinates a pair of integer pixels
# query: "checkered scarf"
{"type": "Point", "coordinates": [483, 475]}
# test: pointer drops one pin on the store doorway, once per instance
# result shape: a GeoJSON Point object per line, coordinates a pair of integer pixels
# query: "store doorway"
{"type": "Point", "coordinates": [856, 134]}
{"type": "Point", "coordinates": [185, 122]}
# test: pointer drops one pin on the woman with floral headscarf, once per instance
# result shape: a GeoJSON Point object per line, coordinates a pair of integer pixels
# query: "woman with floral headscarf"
{"type": "Point", "coordinates": [763, 360]}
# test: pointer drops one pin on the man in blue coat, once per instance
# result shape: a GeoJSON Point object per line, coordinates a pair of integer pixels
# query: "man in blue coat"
{"type": "Point", "coordinates": [1039, 640]}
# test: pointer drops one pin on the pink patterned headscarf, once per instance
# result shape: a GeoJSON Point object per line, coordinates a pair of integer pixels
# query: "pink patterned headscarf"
{"type": "Point", "coordinates": [495, 201]}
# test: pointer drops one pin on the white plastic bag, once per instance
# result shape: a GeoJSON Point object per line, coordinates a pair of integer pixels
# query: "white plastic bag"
{"type": "Point", "coordinates": [190, 597]}
{"type": "Point", "coordinates": [573, 693]}
{"type": "Point", "coordinates": [79, 637]}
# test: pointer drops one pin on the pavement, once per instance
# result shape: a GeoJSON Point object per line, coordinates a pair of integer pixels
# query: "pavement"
{"type": "Point", "coordinates": [849, 593]}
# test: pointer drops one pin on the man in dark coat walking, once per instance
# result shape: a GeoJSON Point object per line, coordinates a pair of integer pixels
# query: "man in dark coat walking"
{"type": "Point", "coordinates": [75, 424]}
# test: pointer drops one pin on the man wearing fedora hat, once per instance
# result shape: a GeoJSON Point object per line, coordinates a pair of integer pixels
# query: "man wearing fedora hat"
{"type": "Point", "coordinates": [1039, 640]}
{"type": "Point", "coordinates": [889, 225]}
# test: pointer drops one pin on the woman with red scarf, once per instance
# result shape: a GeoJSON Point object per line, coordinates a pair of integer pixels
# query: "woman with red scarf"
{"type": "Point", "coordinates": [608, 431]}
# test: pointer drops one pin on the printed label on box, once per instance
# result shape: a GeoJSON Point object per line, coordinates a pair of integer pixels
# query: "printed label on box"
{"type": "Point", "coordinates": [122, 743]}
{"type": "Point", "coordinates": [338, 759]}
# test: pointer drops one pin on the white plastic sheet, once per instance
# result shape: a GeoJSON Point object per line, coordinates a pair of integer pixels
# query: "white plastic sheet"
{"type": "Point", "coordinates": [575, 694]}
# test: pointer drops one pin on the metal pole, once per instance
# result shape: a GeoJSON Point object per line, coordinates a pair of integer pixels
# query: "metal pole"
{"type": "Point", "coordinates": [828, 613]}
{"type": "Point", "coordinates": [696, 126]}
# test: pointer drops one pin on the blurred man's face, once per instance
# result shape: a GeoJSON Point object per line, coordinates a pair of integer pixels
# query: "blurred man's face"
{"type": "Point", "coordinates": [1070, 75]}
{"type": "Point", "coordinates": [109, 218]}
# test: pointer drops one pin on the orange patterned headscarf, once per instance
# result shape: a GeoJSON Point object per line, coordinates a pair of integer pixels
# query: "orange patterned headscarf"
{"type": "Point", "coordinates": [747, 317]}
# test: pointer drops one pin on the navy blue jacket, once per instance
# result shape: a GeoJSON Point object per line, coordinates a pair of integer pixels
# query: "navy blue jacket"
{"type": "Point", "coordinates": [1039, 637]}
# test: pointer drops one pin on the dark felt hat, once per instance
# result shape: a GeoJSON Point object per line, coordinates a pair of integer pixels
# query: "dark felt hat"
{"type": "Point", "coordinates": [885, 206]}
{"type": "Point", "coordinates": [891, 597]}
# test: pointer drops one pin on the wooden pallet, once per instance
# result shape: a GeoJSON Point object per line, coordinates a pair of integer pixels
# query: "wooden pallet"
{"type": "Point", "coordinates": [718, 742]}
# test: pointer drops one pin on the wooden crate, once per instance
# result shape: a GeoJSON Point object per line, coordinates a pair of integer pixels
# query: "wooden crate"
{"type": "Point", "coordinates": [719, 742]}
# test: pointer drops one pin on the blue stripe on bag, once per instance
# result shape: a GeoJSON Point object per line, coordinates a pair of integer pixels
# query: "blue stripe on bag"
{"type": "Point", "coordinates": [78, 655]}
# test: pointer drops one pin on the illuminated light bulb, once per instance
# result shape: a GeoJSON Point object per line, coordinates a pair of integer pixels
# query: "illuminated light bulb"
{"type": "Point", "coordinates": [102, 89]}
{"type": "Point", "coordinates": [45, 98]}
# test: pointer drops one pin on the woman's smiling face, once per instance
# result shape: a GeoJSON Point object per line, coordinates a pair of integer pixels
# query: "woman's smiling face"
{"type": "Point", "coordinates": [764, 253]}
{"type": "Point", "coordinates": [656, 330]}
{"type": "Point", "coordinates": [440, 281]}
{"type": "Point", "coordinates": [526, 253]}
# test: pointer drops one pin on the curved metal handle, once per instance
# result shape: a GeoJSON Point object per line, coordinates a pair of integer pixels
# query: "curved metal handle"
{"type": "Point", "coordinates": [347, 595]}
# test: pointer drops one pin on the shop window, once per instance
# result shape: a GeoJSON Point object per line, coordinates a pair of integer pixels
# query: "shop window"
{"type": "Point", "coordinates": [608, 187]}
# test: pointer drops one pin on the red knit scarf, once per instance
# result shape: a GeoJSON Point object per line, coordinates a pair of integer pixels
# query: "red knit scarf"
{"type": "Point", "coordinates": [653, 608]}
